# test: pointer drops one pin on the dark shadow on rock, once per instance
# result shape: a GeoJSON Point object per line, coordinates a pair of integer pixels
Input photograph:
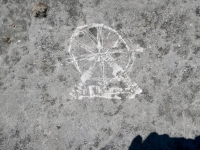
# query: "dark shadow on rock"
{"type": "Point", "coordinates": [164, 142]}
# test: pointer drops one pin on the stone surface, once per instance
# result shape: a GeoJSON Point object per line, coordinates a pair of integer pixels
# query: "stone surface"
{"type": "Point", "coordinates": [35, 79]}
{"type": "Point", "coordinates": [39, 10]}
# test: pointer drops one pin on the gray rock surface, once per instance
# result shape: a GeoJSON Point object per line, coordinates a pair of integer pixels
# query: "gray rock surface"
{"type": "Point", "coordinates": [35, 82]}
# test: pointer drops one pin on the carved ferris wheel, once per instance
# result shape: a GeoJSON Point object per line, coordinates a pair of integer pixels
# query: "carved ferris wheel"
{"type": "Point", "coordinates": [100, 55]}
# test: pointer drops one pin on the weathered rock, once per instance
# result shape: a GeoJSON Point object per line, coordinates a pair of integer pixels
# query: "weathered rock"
{"type": "Point", "coordinates": [39, 10]}
{"type": "Point", "coordinates": [6, 40]}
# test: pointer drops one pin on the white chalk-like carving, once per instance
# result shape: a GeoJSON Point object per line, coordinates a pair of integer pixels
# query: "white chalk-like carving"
{"type": "Point", "coordinates": [104, 60]}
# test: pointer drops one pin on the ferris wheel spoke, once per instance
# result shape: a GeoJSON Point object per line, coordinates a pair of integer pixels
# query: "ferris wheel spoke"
{"type": "Point", "coordinates": [118, 51]}
{"type": "Point", "coordinates": [113, 45]}
{"type": "Point", "coordinates": [76, 64]}
{"type": "Point", "coordinates": [102, 38]}
{"type": "Point", "coordinates": [99, 38]}
{"type": "Point", "coordinates": [108, 35]}
{"type": "Point", "coordinates": [87, 48]}
{"type": "Point", "coordinates": [117, 42]}
{"type": "Point", "coordinates": [91, 37]}
{"type": "Point", "coordinates": [81, 59]}
{"type": "Point", "coordinates": [106, 47]}
{"type": "Point", "coordinates": [103, 73]}
{"type": "Point", "coordinates": [89, 56]}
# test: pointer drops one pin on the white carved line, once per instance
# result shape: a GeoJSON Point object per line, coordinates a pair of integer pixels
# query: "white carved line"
{"type": "Point", "coordinates": [98, 56]}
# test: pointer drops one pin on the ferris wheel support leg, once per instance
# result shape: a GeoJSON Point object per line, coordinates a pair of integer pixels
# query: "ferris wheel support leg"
{"type": "Point", "coordinates": [132, 86]}
{"type": "Point", "coordinates": [121, 75]}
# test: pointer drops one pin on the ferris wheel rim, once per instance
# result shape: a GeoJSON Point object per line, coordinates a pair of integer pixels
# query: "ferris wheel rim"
{"type": "Point", "coordinates": [78, 30]}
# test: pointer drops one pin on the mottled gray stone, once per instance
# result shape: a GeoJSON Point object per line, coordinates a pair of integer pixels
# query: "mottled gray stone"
{"type": "Point", "coordinates": [35, 78]}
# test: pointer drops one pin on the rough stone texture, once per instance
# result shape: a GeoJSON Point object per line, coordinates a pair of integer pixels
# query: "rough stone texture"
{"type": "Point", "coordinates": [36, 112]}
{"type": "Point", "coordinates": [39, 10]}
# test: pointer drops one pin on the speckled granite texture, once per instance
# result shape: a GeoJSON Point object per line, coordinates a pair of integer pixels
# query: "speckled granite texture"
{"type": "Point", "coordinates": [36, 112]}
